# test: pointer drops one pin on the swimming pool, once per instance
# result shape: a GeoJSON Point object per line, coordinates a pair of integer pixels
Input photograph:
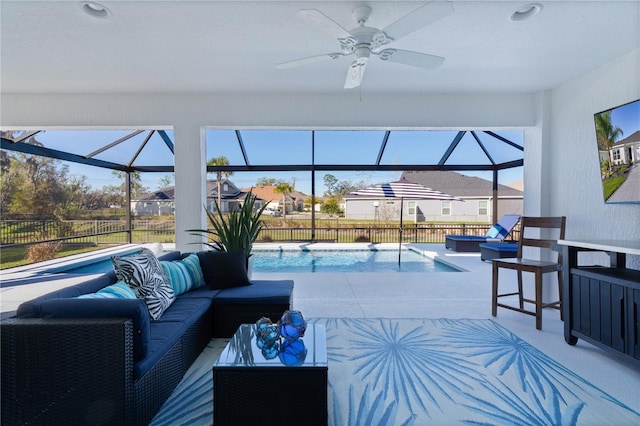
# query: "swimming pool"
{"type": "Point", "coordinates": [345, 261]}
{"type": "Point", "coordinates": [297, 261]}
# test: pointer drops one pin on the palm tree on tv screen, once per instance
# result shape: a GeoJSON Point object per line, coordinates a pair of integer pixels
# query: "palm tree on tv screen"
{"type": "Point", "coordinates": [606, 132]}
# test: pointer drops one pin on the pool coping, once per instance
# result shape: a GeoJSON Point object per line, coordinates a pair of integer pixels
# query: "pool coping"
{"type": "Point", "coordinates": [59, 265]}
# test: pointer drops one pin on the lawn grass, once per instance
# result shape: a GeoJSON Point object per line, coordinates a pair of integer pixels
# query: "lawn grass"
{"type": "Point", "coordinates": [10, 257]}
{"type": "Point", "coordinates": [611, 185]}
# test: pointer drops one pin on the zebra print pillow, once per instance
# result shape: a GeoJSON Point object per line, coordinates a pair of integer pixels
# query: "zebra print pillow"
{"type": "Point", "coordinates": [143, 273]}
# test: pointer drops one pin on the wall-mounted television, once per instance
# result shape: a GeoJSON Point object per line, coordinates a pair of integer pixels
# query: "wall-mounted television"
{"type": "Point", "coordinates": [618, 141]}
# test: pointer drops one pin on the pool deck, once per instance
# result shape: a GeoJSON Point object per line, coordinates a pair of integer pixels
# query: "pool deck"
{"type": "Point", "coordinates": [404, 295]}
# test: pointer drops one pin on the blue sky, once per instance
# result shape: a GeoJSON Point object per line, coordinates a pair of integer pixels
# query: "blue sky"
{"type": "Point", "coordinates": [292, 147]}
{"type": "Point", "coordinates": [627, 117]}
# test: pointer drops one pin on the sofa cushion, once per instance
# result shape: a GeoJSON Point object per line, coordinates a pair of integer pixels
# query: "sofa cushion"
{"type": "Point", "coordinates": [166, 331]}
{"type": "Point", "coordinates": [184, 275]}
{"type": "Point", "coordinates": [30, 308]}
{"type": "Point", "coordinates": [119, 290]}
{"type": "Point", "coordinates": [144, 275]}
{"type": "Point", "coordinates": [135, 309]}
{"type": "Point", "coordinates": [260, 292]}
{"type": "Point", "coordinates": [173, 255]}
{"type": "Point", "coordinates": [186, 310]}
{"type": "Point", "coordinates": [163, 336]}
{"type": "Point", "coordinates": [222, 269]}
{"type": "Point", "coordinates": [202, 292]}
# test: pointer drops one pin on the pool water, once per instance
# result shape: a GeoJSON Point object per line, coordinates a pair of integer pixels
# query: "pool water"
{"type": "Point", "coordinates": [345, 261]}
{"type": "Point", "coordinates": [318, 261]}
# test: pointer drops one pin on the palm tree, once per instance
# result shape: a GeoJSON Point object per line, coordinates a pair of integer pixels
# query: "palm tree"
{"type": "Point", "coordinates": [283, 188]}
{"type": "Point", "coordinates": [220, 161]}
{"type": "Point", "coordinates": [606, 133]}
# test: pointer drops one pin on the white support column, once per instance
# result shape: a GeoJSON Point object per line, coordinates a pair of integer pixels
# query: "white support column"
{"type": "Point", "coordinates": [538, 181]}
{"type": "Point", "coordinates": [190, 184]}
{"type": "Point", "coordinates": [536, 176]}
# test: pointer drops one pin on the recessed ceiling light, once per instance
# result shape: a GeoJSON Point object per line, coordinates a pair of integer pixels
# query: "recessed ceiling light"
{"type": "Point", "coordinates": [95, 10]}
{"type": "Point", "coordinates": [526, 11]}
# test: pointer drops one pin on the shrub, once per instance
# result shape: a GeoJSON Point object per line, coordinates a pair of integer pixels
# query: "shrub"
{"type": "Point", "coordinates": [43, 251]}
{"type": "Point", "coordinates": [362, 239]}
{"type": "Point", "coordinates": [267, 239]}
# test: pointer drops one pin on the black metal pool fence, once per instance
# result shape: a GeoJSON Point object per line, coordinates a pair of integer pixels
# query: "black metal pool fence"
{"type": "Point", "coordinates": [109, 232]}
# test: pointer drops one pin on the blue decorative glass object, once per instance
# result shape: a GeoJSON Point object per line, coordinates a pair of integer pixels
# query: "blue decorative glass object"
{"type": "Point", "coordinates": [292, 352]}
{"type": "Point", "coordinates": [269, 334]}
{"type": "Point", "coordinates": [261, 324]}
{"type": "Point", "coordinates": [292, 325]}
{"type": "Point", "coordinates": [270, 352]}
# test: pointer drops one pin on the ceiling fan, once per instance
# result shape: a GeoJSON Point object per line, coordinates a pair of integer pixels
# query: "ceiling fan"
{"type": "Point", "coordinates": [363, 41]}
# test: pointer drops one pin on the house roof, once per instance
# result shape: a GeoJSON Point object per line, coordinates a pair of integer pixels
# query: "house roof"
{"type": "Point", "coordinates": [299, 196]}
{"type": "Point", "coordinates": [633, 137]}
{"type": "Point", "coordinates": [168, 193]}
{"type": "Point", "coordinates": [266, 193]}
{"type": "Point", "coordinates": [164, 194]}
{"type": "Point", "coordinates": [458, 184]}
{"type": "Point", "coordinates": [231, 192]}
{"type": "Point", "coordinates": [519, 185]}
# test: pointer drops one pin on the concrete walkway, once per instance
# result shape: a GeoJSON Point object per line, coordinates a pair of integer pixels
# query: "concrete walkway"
{"type": "Point", "coordinates": [630, 188]}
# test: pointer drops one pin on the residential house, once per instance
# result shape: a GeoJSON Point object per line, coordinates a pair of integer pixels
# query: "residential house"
{"type": "Point", "coordinates": [475, 194]}
{"type": "Point", "coordinates": [157, 203]}
{"type": "Point", "coordinates": [294, 199]}
{"type": "Point", "coordinates": [162, 201]}
{"type": "Point", "coordinates": [627, 150]}
{"type": "Point", "coordinates": [231, 197]}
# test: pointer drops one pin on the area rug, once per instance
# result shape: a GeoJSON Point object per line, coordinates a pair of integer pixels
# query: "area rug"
{"type": "Point", "coordinates": [424, 371]}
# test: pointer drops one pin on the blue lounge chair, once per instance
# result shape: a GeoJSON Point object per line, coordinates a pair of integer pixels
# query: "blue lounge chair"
{"type": "Point", "coordinates": [471, 243]}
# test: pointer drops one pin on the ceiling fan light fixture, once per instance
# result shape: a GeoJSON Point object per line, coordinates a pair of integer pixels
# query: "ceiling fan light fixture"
{"type": "Point", "coordinates": [95, 10]}
{"type": "Point", "coordinates": [526, 11]}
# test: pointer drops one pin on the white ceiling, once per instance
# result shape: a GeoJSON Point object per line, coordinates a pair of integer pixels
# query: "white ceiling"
{"type": "Point", "coordinates": [233, 46]}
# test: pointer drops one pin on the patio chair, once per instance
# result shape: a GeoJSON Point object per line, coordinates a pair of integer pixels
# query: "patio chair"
{"type": "Point", "coordinates": [544, 241]}
{"type": "Point", "coordinates": [471, 243]}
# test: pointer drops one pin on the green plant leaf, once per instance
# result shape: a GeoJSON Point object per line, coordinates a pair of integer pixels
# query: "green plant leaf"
{"type": "Point", "coordinates": [238, 230]}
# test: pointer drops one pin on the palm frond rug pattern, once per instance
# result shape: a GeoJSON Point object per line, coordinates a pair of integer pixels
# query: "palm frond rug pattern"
{"type": "Point", "coordinates": [424, 371]}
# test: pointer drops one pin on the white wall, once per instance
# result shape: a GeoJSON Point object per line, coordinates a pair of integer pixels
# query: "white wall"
{"type": "Point", "coordinates": [570, 179]}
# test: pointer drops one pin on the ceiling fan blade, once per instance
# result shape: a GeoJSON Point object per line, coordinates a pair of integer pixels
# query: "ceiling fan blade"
{"type": "Point", "coordinates": [355, 73]}
{"type": "Point", "coordinates": [323, 23]}
{"type": "Point", "coordinates": [425, 15]}
{"type": "Point", "coordinates": [408, 57]}
{"type": "Point", "coordinates": [309, 60]}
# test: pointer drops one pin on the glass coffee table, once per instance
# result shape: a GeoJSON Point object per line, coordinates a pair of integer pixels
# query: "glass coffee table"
{"type": "Point", "coordinates": [281, 384]}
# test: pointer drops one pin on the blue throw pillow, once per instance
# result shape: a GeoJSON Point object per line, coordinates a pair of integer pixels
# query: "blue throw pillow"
{"type": "Point", "coordinates": [119, 290]}
{"type": "Point", "coordinates": [184, 274]}
{"type": "Point", "coordinates": [222, 269]}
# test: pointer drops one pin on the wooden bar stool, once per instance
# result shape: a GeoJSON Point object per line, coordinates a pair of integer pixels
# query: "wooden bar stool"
{"type": "Point", "coordinates": [545, 226]}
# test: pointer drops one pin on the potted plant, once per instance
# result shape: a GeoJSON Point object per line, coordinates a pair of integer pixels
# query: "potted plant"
{"type": "Point", "coordinates": [237, 230]}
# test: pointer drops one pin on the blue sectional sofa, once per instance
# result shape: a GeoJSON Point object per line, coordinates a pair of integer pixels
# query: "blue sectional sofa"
{"type": "Point", "coordinates": [70, 360]}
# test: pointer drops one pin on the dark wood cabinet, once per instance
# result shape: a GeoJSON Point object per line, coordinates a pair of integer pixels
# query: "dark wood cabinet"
{"type": "Point", "coordinates": [602, 304]}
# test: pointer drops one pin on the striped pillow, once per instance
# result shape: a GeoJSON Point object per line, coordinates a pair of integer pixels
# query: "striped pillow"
{"type": "Point", "coordinates": [119, 290]}
{"type": "Point", "coordinates": [184, 274]}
